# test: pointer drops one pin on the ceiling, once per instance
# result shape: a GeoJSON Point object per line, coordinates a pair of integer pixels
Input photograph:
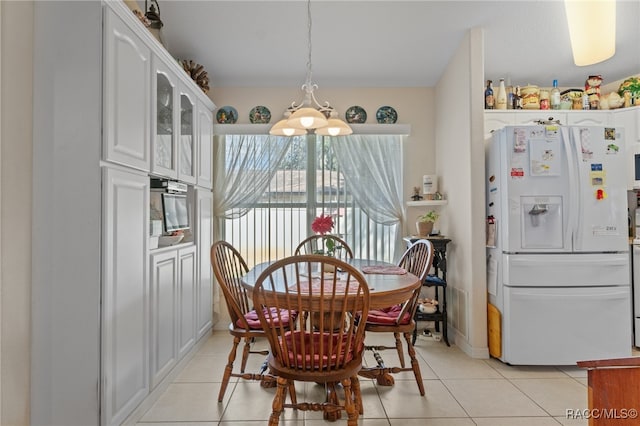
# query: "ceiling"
{"type": "Point", "coordinates": [386, 43]}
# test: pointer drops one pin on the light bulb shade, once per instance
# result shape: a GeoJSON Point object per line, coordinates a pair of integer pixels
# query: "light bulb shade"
{"type": "Point", "coordinates": [281, 128]}
{"type": "Point", "coordinates": [334, 127]}
{"type": "Point", "coordinates": [592, 29]}
{"type": "Point", "coordinates": [307, 118]}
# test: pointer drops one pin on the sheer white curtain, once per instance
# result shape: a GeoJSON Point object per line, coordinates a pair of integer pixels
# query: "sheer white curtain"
{"type": "Point", "coordinates": [244, 167]}
{"type": "Point", "coordinates": [372, 167]}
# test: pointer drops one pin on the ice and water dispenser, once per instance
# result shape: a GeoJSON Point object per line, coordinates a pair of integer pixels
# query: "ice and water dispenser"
{"type": "Point", "coordinates": [541, 220]}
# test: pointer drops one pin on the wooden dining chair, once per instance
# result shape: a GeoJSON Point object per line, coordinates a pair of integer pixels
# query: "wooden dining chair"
{"type": "Point", "coordinates": [399, 319]}
{"type": "Point", "coordinates": [317, 244]}
{"type": "Point", "coordinates": [326, 347]}
{"type": "Point", "coordinates": [228, 267]}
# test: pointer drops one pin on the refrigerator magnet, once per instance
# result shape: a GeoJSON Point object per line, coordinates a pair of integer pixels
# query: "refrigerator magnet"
{"type": "Point", "coordinates": [517, 172]}
{"type": "Point", "coordinates": [552, 132]}
{"type": "Point", "coordinates": [609, 134]}
{"type": "Point", "coordinates": [598, 178]}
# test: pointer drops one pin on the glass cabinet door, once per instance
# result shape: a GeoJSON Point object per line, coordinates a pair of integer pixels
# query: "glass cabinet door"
{"type": "Point", "coordinates": [164, 143]}
{"type": "Point", "coordinates": [186, 144]}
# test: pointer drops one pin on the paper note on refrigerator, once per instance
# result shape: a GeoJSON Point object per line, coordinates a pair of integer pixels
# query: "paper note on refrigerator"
{"type": "Point", "coordinates": [545, 157]}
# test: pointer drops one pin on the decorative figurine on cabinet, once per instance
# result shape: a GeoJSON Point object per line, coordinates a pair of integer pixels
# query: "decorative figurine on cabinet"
{"type": "Point", "coordinates": [416, 194]}
{"type": "Point", "coordinates": [592, 89]}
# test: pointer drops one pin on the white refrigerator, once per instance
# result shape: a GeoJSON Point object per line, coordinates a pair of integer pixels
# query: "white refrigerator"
{"type": "Point", "coordinates": [558, 267]}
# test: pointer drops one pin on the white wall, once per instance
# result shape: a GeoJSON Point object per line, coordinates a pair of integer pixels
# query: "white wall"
{"type": "Point", "coordinates": [15, 217]}
{"type": "Point", "coordinates": [459, 158]}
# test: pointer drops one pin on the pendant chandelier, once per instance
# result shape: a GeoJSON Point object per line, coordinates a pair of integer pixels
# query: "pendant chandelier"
{"type": "Point", "coordinates": [309, 114]}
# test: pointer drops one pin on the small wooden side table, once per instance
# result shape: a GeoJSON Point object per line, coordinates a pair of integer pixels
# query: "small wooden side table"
{"type": "Point", "coordinates": [613, 391]}
{"type": "Point", "coordinates": [437, 279]}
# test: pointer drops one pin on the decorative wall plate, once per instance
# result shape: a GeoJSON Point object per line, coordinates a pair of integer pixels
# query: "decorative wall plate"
{"type": "Point", "coordinates": [227, 115]}
{"type": "Point", "coordinates": [386, 115]}
{"type": "Point", "coordinates": [260, 115]}
{"type": "Point", "coordinates": [356, 114]}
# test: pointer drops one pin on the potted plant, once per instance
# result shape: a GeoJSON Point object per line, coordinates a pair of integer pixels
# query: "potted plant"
{"type": "Point", "coordinates": [424, 224]}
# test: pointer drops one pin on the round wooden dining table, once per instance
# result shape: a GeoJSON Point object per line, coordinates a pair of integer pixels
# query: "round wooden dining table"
{"type": "Point", "coordinates": [385, 289]}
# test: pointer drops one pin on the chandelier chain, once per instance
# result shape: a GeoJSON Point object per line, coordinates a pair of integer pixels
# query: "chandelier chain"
{"type": "Point", "coordinates": [309, 25]}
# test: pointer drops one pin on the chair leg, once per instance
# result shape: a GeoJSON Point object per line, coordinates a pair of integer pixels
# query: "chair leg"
{"type": "Point", "coordinates": [330, 414]}
{"type": "Point", "coordinates": [415, 366]}
{"type": "Point", "coordinates": [349, 406]}
{"type": "Point", "coordinates": [399, 348]}
{"type": "Point", "coordinates": [357, 394]}
{"type": "Point", "coordinates": [278, 401]}
{"type": "Point", "coordinates": [292, 393]}
{"type": "Point", "coordinates": [228, 369]}
{"type": "Point", "coordinates": [245, 353]}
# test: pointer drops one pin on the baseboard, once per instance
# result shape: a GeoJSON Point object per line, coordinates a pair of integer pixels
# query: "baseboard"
{"type": "Point", "coordinates": [461, 342]}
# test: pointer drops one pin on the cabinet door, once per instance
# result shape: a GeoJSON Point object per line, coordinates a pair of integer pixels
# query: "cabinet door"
{"type": "Point", "coordinates": [126, 95]}
{"type": "Point", "coordinates": [527, 117]}
{"type": "Point", "coordinates": [164, 284]}
{"type": "Point", "coordinates": [186, 299]}
{"type": "Point", "coordinates": [204, 239]}
{"type": "Point", "coordinates": [589, 118]}
{"type": "Point", "coordinates": [187, 136]}
{"type": "Point", "coordinates": [164, 107]}
{"type": "Point", "coordinates": [205, 146]}
{"type": "Point", "coordinates": [628, 119]}
{"type": "Point", "coordinates": [496, 120]}
{"type": "Point", "coordinates": [125, 335]}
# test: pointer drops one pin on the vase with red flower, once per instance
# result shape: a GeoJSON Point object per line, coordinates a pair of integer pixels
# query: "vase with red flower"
{"type": "Point", "coordinates": [323, 225]}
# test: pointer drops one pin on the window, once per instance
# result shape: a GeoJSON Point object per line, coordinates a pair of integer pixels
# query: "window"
{"type": "Point", "coordinates": [304, 180]}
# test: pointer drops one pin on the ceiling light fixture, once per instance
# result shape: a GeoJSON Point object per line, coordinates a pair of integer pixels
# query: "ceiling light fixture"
{"type": "Point", "coordinates": [591, 45]}
{"type": "Point", "coordinates": [309, 114]}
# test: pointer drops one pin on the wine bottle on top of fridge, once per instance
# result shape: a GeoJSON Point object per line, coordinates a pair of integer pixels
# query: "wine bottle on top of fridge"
{"type": "Point", "coordinates": [555, 96]}
{"type": "Point", "coordinates": [488, 96]}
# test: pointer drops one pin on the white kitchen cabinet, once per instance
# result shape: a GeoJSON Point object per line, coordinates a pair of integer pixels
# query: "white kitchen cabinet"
{"type": "Point", "coordinates": [494, 120]}
{"type": "Point", "coordinates": [204, 240]}
{"type": "Point", "coordinates": [589, 118]}
{"type": "Point", "coordinates": [127, 83]}
{"type": "Point", "coordinates": [530, 117]}
{"type": "Point", "coordinates": [629, 120]}
{"type": "Point", "coordinates": [187, 152]}
{"type": "Point", "coordinates": [164, 120]}
{"type": "Point", "coordinates": [162, 308]}
{"type": "Point", "coordinates": [178, 131]}
{"type": "Point", "coordinates": [186, 299]}
{"type": "Point", "coordinates": [205, 145]}
{"type": "Point", "coordinates": [125, 330]}
{"type": "Point", "coordinates": [92, 144]}
{"type": "Point", "coordinates": [172, 308]}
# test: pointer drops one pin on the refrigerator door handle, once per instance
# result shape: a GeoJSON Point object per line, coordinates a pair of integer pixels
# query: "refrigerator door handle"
{"type": "Point", "coordinates": [572, 153]}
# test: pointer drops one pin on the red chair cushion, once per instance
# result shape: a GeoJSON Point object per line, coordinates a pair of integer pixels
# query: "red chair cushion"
{"type": "Point", "coordinates": [339, 354]}
{"type": "Point", "coordinates": [388, 316]}
{"type": "Point", "coordinates": [254, 322]}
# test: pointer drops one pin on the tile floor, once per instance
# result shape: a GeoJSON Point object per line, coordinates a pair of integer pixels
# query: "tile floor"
{"type": "Point", "coordinates": [460, 391]}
